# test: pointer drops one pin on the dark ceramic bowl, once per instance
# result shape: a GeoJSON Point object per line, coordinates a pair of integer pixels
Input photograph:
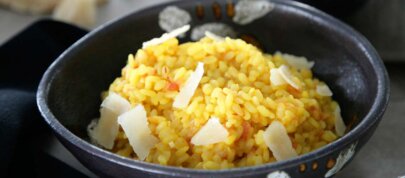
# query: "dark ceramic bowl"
{"type": "Point", "coordinates": [69, 93]}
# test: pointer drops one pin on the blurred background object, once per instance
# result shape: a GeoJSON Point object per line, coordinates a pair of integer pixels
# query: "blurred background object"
{"type": "Point", "coordinates": [78, 12]}
{"type": "Point", "coordinates": [36, 6]}
{"type": "Point", "coordinates": [381, 21]}
{"type": "Point", "coordinates": [30, 6]}
{"type": "Point", "coordinates": [337, 8]}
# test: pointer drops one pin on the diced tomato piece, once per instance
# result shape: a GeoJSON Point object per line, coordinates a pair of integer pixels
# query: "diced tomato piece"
{"type": "Point", "coordinates": [246, 130]}
{"type": "Point", "coordinates": [173, 86]}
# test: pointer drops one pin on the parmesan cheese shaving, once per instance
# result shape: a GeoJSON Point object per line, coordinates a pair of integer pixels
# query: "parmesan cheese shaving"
{"type": "Point", "coordinates": [183, 98]}
{"type": "Point", "coordinates": [340, 127]}
{"type": "Point", "coordinates": [116, 103]}
{"type": "Point", "coordinates": [212, 132]}
{"type": "Point", "coordinates": [135, 126]}
{"type": "Point", "coordinates": [105, 130]}
{"type": "Point", "coordinates": [298, 62]}
{"type": "Point", "coordinates": [276, 138]}
{"type": "Point", "coordinates": [214, 36]}
{"type": "Point", "coordinates": [166, 36]}
{"type": "Point", "coordinates": [323, 90]}
{"type": "Point", "coordinates": [275, 78]}
{"type": "Point", "coordinates": [281, 76]}
{"type": "Point", "coordinates": [288, 77]}
{"type": "Point", "coordinates": [79, 12]}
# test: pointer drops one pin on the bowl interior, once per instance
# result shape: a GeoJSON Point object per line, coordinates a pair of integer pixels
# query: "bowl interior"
{"type": "Point", "coordinates": [87, 68]}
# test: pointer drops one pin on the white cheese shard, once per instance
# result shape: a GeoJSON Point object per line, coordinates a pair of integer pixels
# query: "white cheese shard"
{"type": "Point", "coordinates": [323, 90]}
{"type": "Point", "coordinates": [340, 126]}
{"type": "Point", "coordinates": [166, 36]}
{"type": "Point", "coordinates": [135, 126]}
{"type": "Point", "coordinates": [275, 77]}
{"type": "Point", "coordinates": [214, 36]}
{"type": "Point", "coordinates": [276, 138]}
{"type": "Point", "coordinates": [187, 91]}
{"type": "Point", "coordinates": [282, 75]}
{"type": "Point", "coordinates": [116, 103]}
{"type": "Point", "coordinates": [105, 130]}
{"type": "Point", "coordinates": [79, 12]}
{"type": "Point", "coordinates": [212, 132]}
{"type": "Point", "coordinates": [288, 77]}
{"type": "Point", "coordinates": [298, 62]}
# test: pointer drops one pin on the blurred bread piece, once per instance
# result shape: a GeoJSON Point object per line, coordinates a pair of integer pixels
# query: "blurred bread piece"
{"type": "Point", "coordinates": [79, 12]}
{"type": "Point", "coordinates": [31, 6]}
{"type": "Point", "coordinates": [99, 2]}
{"type": "Point", "coordinates": [36, 6]}
{"type": "Point", "coordinates": [4, 2]}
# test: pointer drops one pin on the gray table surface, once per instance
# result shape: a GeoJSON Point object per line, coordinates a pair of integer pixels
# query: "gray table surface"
{"type": "Point", "coordinates": [382, 156]}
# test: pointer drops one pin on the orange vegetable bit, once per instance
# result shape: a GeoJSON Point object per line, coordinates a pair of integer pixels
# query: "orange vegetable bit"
{"type": "Point", "coordinates": [246, 130]}
{"type": "Point", "coordinates": [173, 86]}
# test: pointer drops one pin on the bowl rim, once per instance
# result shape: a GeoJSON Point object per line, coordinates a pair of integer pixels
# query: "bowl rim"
{"type": "Point", "coordinates": [375, 113]}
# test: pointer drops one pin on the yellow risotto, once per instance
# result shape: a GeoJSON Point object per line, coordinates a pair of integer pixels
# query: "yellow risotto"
{"type": "Point", "coordinates": [236, 88]}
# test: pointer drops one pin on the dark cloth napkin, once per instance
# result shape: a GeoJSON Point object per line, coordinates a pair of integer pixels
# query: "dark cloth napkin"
{"type": "Point", "coordinates": [23, 60]}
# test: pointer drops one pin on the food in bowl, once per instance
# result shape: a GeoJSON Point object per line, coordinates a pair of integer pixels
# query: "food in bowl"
{"type": "Point", "coordinates": [216, 103]}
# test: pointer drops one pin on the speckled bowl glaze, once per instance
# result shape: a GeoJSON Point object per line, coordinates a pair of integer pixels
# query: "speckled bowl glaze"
{"type": "Point", "coordinates": [69, 93]}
